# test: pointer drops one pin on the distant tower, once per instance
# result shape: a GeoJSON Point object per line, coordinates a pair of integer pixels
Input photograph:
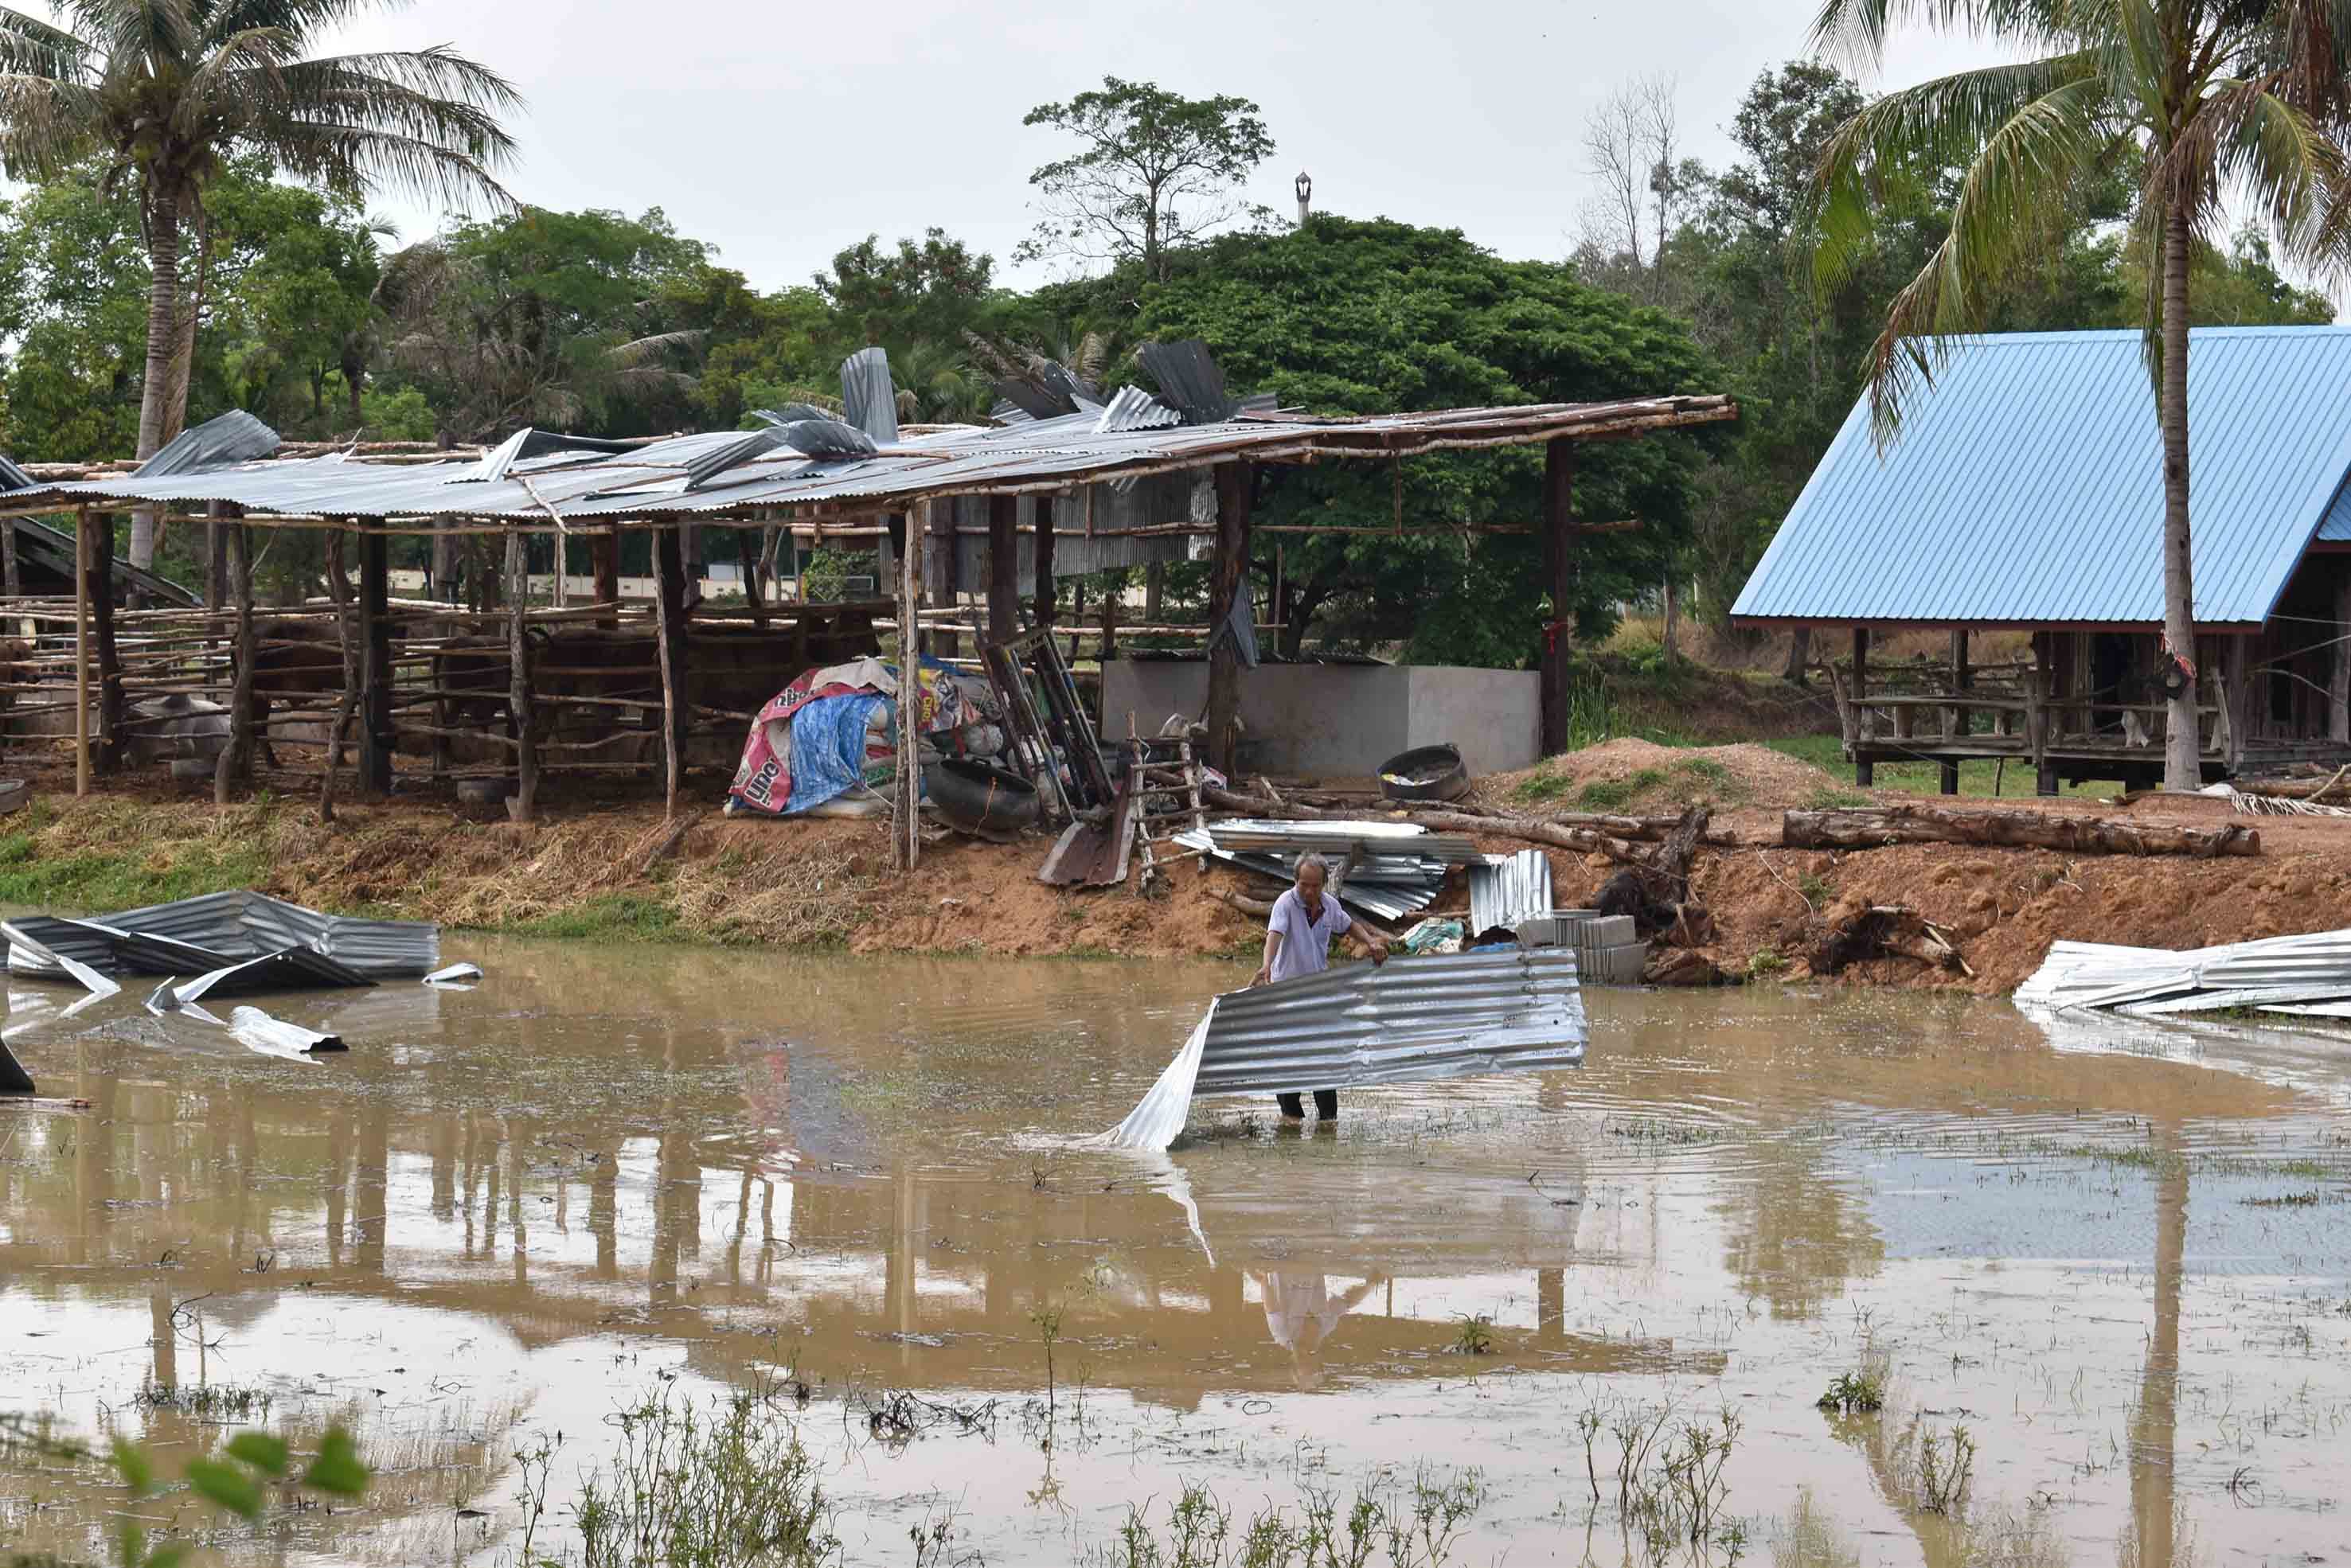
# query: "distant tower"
{"type": "Point", "coordinates": [1305, 197]}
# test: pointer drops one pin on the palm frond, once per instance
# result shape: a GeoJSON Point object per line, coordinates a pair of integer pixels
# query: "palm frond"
{"type": "Point", "coordinates": [34, 47]}
{"type": "Point", "coordinates": [1856, 30]}
{"type": "Point", "coordinates": [351, 155]}
{"type": "Point", "coordinates": [45, 124]}
{"type": "Point", "coordinates": [650, 350]}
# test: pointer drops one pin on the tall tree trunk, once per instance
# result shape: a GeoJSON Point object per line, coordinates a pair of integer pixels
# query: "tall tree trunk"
{"type": "Point", "coordinates": [2182, 759]}
{"type": "Point", "coordinates": [162, 334]}
{"type": "Point", "coordinates": [1800, 656]}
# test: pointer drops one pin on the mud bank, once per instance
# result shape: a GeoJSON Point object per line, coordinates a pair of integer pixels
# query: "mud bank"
{"type": "Point", "coordinates": [589, 871]}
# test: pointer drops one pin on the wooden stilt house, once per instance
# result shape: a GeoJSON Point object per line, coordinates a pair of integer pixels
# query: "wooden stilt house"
{"type": "Point", "coordinates": [2023, 492]}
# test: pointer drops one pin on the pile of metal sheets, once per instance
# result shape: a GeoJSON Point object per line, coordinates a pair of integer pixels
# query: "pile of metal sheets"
{"type": "Point", "coordinates": [222, 929]}
{"type": "Point", "coordinates": [2284, 974]}
{"type": "Point", "coordinates": [1387, 885]}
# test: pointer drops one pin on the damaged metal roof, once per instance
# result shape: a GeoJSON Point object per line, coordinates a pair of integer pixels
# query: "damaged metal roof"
{"type": "Point", "coordinates": [1040, 456]}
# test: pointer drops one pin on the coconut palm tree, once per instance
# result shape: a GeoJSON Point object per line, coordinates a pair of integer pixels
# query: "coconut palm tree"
{"type": "Point", "coordinates": [2231, 104]}
{"type": "Point", "coordinates": [167, 90]}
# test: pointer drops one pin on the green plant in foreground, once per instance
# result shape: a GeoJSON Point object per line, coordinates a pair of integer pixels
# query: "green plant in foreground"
{"type": "Point", "coordinates": [1946, 1468]}
{"type": "Point", "coordinates": [1412, 1528]}
{"type": "Point", "coordinates": [231, 1480]}
{"type": "Point", "coordinates": [1766, 961]}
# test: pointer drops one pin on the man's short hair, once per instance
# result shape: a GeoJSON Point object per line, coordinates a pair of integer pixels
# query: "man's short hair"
{"type": "Point", "coordinates": [1317, 861]}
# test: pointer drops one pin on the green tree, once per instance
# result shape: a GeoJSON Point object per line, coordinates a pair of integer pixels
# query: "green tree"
{"type": "Point", "coordinates": [2218, 96]}
{"type": "Point", "coordinates": [1155, 173]}
{"type": "Point", "coordinates": [167, 93]}
{"type": "Point", "coordinates": [562, 319]}
{"type": "Point", "coordinates": [1341, 316]}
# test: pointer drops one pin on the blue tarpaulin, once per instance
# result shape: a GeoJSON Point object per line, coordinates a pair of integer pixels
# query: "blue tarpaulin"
{"type": "Point", "coordinates": [828, 748]}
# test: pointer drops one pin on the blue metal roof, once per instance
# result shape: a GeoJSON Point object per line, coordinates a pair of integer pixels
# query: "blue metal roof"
{"type": "Point", "coordinates": [2026, 487]}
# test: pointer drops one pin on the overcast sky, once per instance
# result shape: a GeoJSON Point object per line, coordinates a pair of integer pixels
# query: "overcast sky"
{"type": "Point", "coordinates": [782, 133]}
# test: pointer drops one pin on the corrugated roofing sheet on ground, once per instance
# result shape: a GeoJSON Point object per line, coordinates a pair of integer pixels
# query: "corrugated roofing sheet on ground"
{"type": "Point", "coordinates": [2025, 487]}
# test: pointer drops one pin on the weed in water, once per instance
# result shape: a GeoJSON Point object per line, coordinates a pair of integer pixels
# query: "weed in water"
{"type": "Point", "coordinates": [1475, 1337]}
{"type": "Point", "coordinates": [2286, 1200]}
{"type": "Point", "coordinates": [1413, 1527]}
{"type": "Point", "coordinates": [206, 1401]}
{"type": "Point", "coordinates": [1766, 962]}
{"type": "Point", "coordinates": [1808, 1537]}
{"type": "Point", "coordinates": [1946, 1469]}
{"type": "Point", "coordinates": [1861, 1390]}
{"type": "Point", "coordinates": [726, 1487]}
{"type": "Point", "coordinates": [1047, 1319]}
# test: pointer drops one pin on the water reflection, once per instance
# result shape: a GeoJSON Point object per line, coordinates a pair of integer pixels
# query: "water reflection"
{"type": "Point", "coordinates": [863, 1173]}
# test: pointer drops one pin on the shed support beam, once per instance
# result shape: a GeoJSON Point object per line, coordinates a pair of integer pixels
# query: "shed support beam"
{"type": "Point", "coordinates": [1003, 568]}
{"type": "Point", "coordinates": [941, 581]}
{"type": "Point", "coordinates": [1046, 507]}
{"type": "Point", "coordinates": [236, 764]}
{"type": "Point", "coordinates": [524, 803]}
{"type": "Point", "coordinates": [2338, 685]}
{"type": "Point", "coordinates": [669, 610]}
{"type": "Point", "coordinates": [1865, 772]}
{"type": "Point", "coordinates": [608, 573]}
{"type": "Point", "coordinates": [1559, 567]}
{"type": "Point", "coordinates": [376, 738]}
{"type": "Point", "coordinates": [98, 539]}
{"type": "Point", "coordinates": [907, 797]}
{"type": "Point", "coordinates": [1229, 586]}
{"type": "Point", "coordinates": [1956, 723]}
{"type": "Point", "coordinates": [81, 652]}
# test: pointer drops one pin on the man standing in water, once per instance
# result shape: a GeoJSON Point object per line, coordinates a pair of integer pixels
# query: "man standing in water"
{"type": "Point", "coordinates": [1298, 942]}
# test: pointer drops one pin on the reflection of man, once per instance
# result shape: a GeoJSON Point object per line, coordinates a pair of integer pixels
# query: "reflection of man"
{"type": "Point", "coordinates": [1301, 1314]}
{"type": "Point", "coordinates": [1298, 942]}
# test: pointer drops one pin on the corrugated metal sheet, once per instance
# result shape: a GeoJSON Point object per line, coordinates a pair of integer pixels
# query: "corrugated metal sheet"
{"type": "Point", "coordinates": [1338, 838]}
{"type": "Point", "coordinates": [219, 929]}
{"type": "Point", "coordinates": [1387, 887]}
{"type": "Point", "coordinates": [1406, 1021]}
{"type": "Point", "coordinates": [1409, 1020]}
{"type": "Point", "coordinates": [2311, 967]}
{"type": "Point", "coordinates": [1509, 889]}
{"type": "Point", "coordinates": [1065, 453]}
{"type": "Point", "coordinates": [2026, 487]}
{"type": "Point", "coordinates": [1132, 408]}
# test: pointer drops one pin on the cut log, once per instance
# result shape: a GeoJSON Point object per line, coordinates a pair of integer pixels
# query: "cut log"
{"type": "Point", "coordinates": [1860, 829]}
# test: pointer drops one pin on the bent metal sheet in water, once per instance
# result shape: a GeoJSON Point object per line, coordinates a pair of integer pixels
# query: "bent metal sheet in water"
{"type": "Point", "coordinates": [1357, 1027]}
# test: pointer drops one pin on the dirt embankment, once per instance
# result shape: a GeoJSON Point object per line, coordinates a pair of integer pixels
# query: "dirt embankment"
{"type": "Point", "coordinates": [584, 872]}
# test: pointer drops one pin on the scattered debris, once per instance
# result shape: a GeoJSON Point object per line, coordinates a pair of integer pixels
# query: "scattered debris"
{"type": "Point", "coordinates": [1884, 931]}
{"type": "Point", "coordinates": [1427, 773]}
{"type": "Point", "coordinates": [1655, 889]}
{"type": "Point", "coordinates": [453, 974]}
{"type": "Point", "coordinates": [220, 931]}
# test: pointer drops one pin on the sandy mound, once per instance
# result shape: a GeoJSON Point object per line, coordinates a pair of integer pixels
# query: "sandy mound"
{"type": "Point", "coordinates": [1633, 774]}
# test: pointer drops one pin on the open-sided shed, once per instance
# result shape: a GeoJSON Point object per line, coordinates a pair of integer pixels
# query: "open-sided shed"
{"type": "Point", "coordinates": [1093, 479]}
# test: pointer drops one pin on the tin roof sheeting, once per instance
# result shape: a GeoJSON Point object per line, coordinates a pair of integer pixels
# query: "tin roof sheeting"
{"type": "Point", "coordinates": [2026, 486]}
{"type": "Point", "coordinates": [1058, 454]}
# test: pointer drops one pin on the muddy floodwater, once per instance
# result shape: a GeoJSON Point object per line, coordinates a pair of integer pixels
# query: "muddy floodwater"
{"type": "Point", "coordinates": [2116, 1261]}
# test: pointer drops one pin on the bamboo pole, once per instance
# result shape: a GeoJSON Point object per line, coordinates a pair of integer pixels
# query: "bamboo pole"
{"type": "Point", "coordinates": [526, 796]}
{"type": "Point", "coordinates": [81, 652]}
{"type": "Point", "coordinates": [909, 790]}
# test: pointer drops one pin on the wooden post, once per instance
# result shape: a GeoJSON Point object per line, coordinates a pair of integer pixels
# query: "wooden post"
{"type": "Point", "coordinates": [1559, 564]}
{"type": "Point", "coordinates": [608, 573]}
{"type": "Point", "coordinates": [1865, 771]}
{"type": "Point", "coordinates": [11, 580]}
{"type": "Point", "coordinates": [524, 803]}
{"type": "Point", "coordinates": [235, 765]}
{"type": "Point", "coordinates": [940, 574]}
{"type": "Point", "coordinates": [559, 587]}
{"type": "Point", "coordinates": [1003, 568]}
{"type": "Point", "coordinates": [1956, 723]}
{"type": "Point", "coordinates": [1673, 609]}
{"type": "Point", "coordinates": [2246, 721]}
{"type": "Point", "coordinates": [1155, 593]}
{"type": "Point", "coordinates": [669, 614]}
{"type": "Point", "coordinates": [100, 536]}
{"type": "Point", "coordinates": [1109, 625]}
{"type": "Point", "coordinates": [747, 558]}
{"type": "Point", "coordinates": [1042, 556]}
{"type": "Point", "coordinates": [2338, 685]}
{"type": "Point", "coordinates": [2036, 715]}
{"type": "Point", "coordinates": [909, 788]}
{"type": "Point", "coordinates": [1228, 587]}
{"type": "Point", "coordinates": [82, 652]}
{"type": "Point", "coordinates": [376, 738]}
{"type": "Point", "coordinates": [339, 586]}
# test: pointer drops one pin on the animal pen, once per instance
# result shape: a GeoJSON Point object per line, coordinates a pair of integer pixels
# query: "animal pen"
{"type": "Point", "coordinates": [516, 690]}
